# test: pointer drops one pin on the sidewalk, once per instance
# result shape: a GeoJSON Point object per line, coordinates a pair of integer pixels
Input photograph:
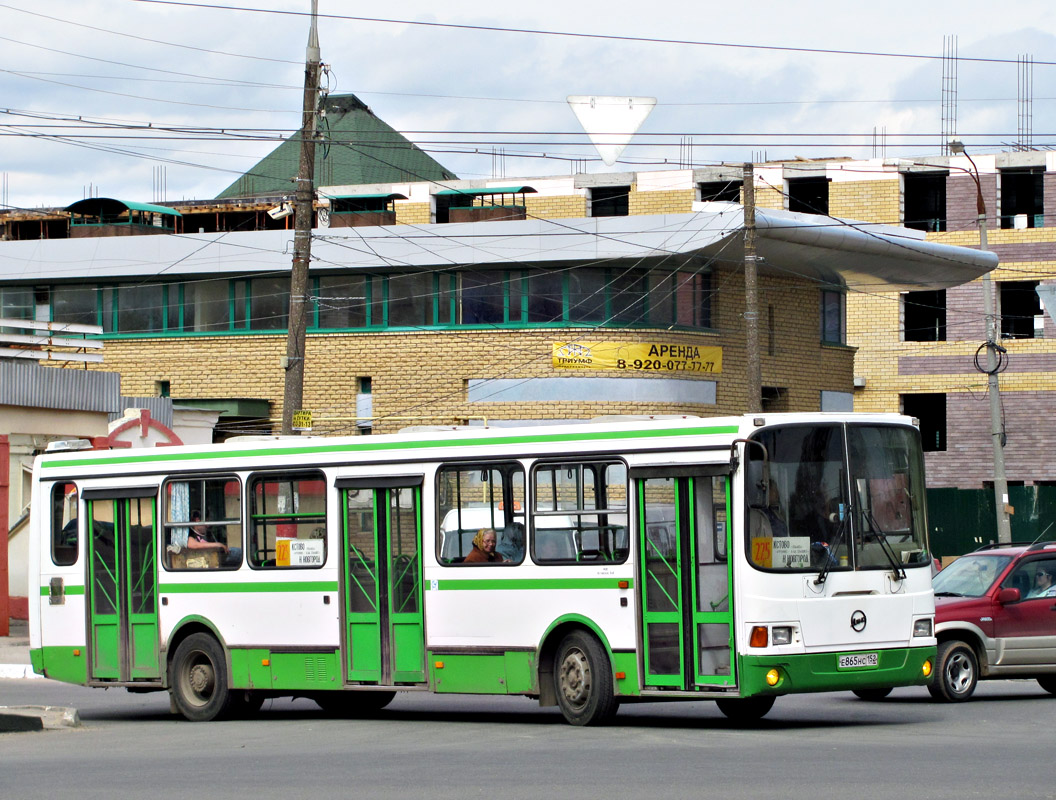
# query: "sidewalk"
{"type": "Point", "coordinates": [14, 652]}
{"type": "Point", "coordinates": [14, 663]}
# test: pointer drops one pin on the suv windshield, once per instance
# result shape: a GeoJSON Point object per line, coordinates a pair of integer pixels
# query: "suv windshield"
{"type": "Point", "coordinates": [969, 576]}
{"type": "Point", "coordinates": [838, 497]}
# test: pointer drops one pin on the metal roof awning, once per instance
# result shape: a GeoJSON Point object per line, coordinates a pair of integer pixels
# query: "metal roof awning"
{"type": "Point", "coordinates": [837, 252]}
{"type": "Point", "coordinates": [110, 206]}
{"type": "Point", "coordinates": [491, 190]}
{"type": "Point", "coordinates": [382, 196]}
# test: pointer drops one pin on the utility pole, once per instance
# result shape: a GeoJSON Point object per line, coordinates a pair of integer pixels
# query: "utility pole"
{"type": "Point", "coordinates": [993, 347]}
{"type": "Point", "coordinates": [293, 396]}
{"type": "Point", "coordinates": [751, 296]}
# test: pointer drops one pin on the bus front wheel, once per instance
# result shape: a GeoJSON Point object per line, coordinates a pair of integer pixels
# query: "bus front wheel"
{"type": "Point", "coordinates": [583, 680]}
{"type": "Point", "coordinates": [199, 678]}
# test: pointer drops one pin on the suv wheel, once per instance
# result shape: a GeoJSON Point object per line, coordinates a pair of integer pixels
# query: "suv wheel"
{"type": "Point", "coordinates": [956, 672]}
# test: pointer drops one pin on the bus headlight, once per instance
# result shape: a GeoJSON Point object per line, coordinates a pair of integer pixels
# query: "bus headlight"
{"type": "Point", "coordinates": [926, 669]}
{"type": "Point", "coordinates": [922, 627]}
{"type": "Point", "coordinates": [781, 635]}
{"type": "Point", "coordinates": [772, 677]}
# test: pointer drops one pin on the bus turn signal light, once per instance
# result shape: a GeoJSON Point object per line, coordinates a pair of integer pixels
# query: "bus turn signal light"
{"type": "Point", "coordinates": [621, 675]}
{"type": "Point", "coordinates": [758, 637]}
{"type": "Point", "coordinates": [624, 584]}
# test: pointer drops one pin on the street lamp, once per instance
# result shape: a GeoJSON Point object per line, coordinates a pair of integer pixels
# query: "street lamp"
{"type": "Point", "coordinates": [993, 333]}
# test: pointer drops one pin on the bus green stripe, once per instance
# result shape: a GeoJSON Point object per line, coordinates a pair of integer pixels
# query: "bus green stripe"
{"type": "Point", "coordinates": [46, 590]}
{"type": "Point", "coordinates": [457, 584]}
{"type": "Point", "coordinates": [234, 588]}
{"type": "Point", "coordinates": [154, 457]}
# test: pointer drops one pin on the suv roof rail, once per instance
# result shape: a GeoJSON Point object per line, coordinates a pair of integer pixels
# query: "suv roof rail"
{"type": "Point", "coordinates": [996, 545]}
{"type": "Point", "coordinates": [1040, 545]}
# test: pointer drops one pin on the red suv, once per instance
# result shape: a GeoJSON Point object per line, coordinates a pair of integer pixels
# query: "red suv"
{"type": "Point", "coordinates": [995, 617]}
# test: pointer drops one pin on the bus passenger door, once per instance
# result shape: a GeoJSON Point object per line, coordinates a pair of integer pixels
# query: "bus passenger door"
{"type": "Point", "coordinates": [122, 585]}
{"type": "Point", "coordinates": [684, 580]}
{"type": "Point", "coordinates": [384, 626]}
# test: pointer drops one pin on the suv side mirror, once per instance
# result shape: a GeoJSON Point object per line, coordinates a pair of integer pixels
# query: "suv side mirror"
{"type": "Point", "coordinates": [1009, 595]}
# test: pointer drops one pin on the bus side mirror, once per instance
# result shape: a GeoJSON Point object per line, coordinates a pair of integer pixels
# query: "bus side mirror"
{"type": "Point", "coordinates": [1009, 595]}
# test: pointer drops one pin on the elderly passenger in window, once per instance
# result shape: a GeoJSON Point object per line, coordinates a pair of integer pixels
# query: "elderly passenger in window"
{"type": "Point", "coordinates": [483, 551]}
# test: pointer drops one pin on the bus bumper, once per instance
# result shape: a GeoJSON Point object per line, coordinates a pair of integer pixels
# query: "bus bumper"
{"type": "Point", "coordinates": [822, 672]}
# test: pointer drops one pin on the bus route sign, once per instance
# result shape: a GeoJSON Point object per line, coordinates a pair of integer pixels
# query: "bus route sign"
{"type": "Point", "coordinates": [637, 357]}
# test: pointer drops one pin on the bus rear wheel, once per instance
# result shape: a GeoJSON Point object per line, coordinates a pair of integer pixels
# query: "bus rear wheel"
{"type": "Point", "coordinates": [583, 680]}
{"type": "Point", "coordinates": [746, 709]}
{"type": "Point", "coordinates": [199, 678]}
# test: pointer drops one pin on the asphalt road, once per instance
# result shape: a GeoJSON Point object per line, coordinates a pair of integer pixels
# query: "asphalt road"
{"type": "Point", "coordinates": [1001, 744]}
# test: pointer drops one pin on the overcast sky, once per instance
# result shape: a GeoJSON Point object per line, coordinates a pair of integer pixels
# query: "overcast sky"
{"type": "Point", "coordinates": [116, 63]}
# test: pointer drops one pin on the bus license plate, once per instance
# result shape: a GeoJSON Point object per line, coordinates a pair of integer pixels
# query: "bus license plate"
{"type": "Point", "coordinates": [859, 661]}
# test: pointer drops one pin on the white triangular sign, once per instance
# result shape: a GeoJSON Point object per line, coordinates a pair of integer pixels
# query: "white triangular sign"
{"type": "Point", "coordinates": [610, 122]}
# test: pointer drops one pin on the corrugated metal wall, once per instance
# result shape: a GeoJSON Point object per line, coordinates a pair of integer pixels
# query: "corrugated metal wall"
{"type": "Point", "coordinates": [72, 389]}
{"type": "Point", "coordinates": [160, 408]}
{"type": "Point", "coordinates": [962, 520]}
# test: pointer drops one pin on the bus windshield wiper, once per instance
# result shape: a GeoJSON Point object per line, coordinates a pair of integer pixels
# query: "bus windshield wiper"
{"type": "Point", "coordinates": [885, 546]}
{"type": "Point", "coordinates": [832, 553]}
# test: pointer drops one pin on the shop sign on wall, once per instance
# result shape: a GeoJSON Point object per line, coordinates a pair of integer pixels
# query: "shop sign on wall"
{"type": "Point", "coordinates": [637, 357]}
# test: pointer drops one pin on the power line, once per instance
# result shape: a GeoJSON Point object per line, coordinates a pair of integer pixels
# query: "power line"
{"type": "Point", "coordinates": [112, 32]}
{"type": "Point", "coordinates": [598, 36]}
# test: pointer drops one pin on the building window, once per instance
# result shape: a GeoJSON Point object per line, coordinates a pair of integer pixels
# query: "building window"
{"type": "Point", "coordinates": [720, 191]}
{"type": "Point", "coordinates": [924, 316]}
{"type": "Point", "coordinates": [837, 401]}
{"type": "Point", "coordinates": [930, 410]}
{"type": "Point", "coordinates": [206, 306]}
{"type": "Point", "coordinates": [341, 302]}
{"type": "Point", "coordinates": [1022, 198]}
{"type": "Point", "coordinates": [833, 327]}
{"type": "Point", "coordinates": [774, 399]}
{"type": "Point", "coordinates": [808, 195]}
{"type": "Point", "coordinates": [75, 304]}
{"type": "Point", "coordinates": [924, 194]}
{"type": "Point", "coordinates": [410, 299]}
{"type": "Point", "coordinates": [1021, 312]}
{"type": "Point", "coordinates": [610, 201]}
{"type": "Point", "coordinates": [482, 298]}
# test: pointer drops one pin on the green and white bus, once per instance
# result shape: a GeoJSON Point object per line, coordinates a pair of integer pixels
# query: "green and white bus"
{"type": "Point", "coordinates": [733, 559]}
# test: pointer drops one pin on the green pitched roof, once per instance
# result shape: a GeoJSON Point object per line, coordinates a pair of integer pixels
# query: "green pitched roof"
{"type": "Point", "coordinates": [355, 148]}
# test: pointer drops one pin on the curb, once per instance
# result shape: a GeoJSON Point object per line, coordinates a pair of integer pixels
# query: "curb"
{"type": "Point", "coordinates": [18, 671]}
{"type": "Point", "coordinates": [37, 718]}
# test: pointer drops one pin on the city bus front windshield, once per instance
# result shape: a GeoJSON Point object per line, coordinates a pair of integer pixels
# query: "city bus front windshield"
{"type": "Point", "coordinates": [836, 497]}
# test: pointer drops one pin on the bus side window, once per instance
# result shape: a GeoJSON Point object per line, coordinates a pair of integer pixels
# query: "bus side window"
{"type": "Point", "coordinates": [287, 520]}
{"type": "Point", "coordinates": [64, 524]}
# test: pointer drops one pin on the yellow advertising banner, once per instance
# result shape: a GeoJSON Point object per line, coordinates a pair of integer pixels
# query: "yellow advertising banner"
{"type": "Point", "coordinates": [637, 357]}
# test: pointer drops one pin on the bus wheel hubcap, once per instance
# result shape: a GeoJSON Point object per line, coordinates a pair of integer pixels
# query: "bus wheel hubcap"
{"type": "Point", "coordinates": [200, 678]}
{"type": "Point", "coordinates": [575, 677]}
